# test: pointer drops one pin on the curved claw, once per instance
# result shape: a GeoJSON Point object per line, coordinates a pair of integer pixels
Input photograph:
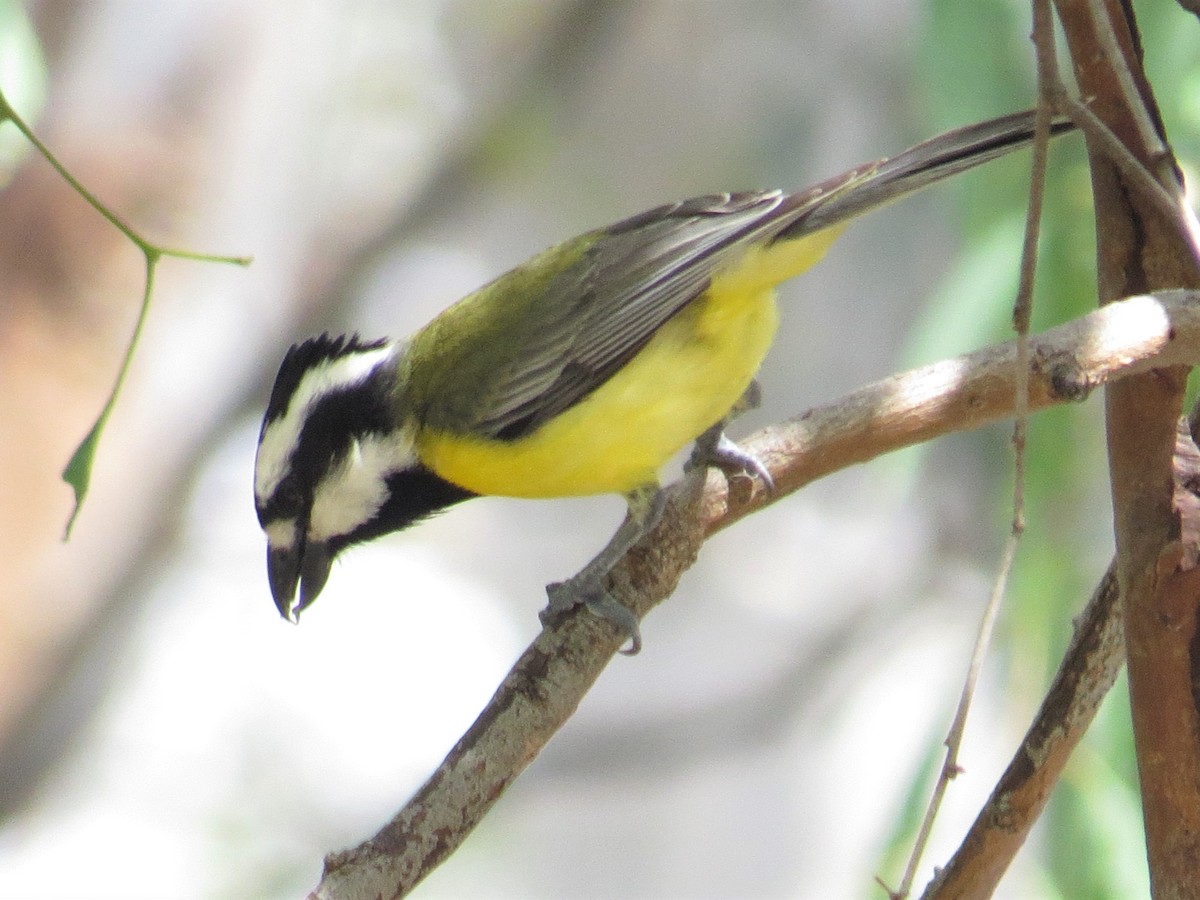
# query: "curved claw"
{"type": "Point", "coordinates": [566, 595]}
{"type": "Point", "coordinates": [606, 606]}
{"type": "Point", "coordinates": [722, 453]}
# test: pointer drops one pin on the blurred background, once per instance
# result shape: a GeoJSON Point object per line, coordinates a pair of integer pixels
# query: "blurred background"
{"type": "Point", "coordinates": [164, 733]}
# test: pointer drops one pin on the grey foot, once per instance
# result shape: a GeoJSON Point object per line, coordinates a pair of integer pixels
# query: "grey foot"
{"type": "Point", "coordinates": [566, 595]}
{"type": "Point", "coordinates": [713, 448]}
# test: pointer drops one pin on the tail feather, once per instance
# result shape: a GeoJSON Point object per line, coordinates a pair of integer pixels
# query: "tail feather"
{"type": "Point", "coordinates": [876, 184]}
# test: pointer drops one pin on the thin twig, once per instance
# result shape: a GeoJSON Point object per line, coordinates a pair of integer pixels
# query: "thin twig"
{"type": "Point", "coordinates": [1022, 313]}
{"type": "Point", "coordinates": [1043, 39]}
{"type": "Point", "coordinates": [953, 742]}
{"type": "Point", "coordinates": [1087, 672]}
{"type": "Point", "coordinates": [150, 249]}
{"type": "Point", "coordinates": [1134, 102]}
{"type": "Point", "coordinates": [1116, 151]}
{"type": "Point", "coordinates": [1131, 336]}
{"type": "Point", "coordinates": [1170, 203]}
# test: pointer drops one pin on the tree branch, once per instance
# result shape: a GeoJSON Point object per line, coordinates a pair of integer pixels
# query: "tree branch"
{"type": "Point", "coordinates": [1087, 672]}
{"type": "Point", "coordinates": [551, 677]}
{"type": "Point", "coordinates": [1143, 247]}
{"type": "Point", "coordinates": [1132, 336]}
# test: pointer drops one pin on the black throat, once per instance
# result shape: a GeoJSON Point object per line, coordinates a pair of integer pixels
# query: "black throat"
{"type": "Point", "coordinates": [413, 494]}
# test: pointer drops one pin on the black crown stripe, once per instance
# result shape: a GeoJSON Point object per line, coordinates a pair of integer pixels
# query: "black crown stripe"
{"type": "Point", "coordinates": [302, 357]}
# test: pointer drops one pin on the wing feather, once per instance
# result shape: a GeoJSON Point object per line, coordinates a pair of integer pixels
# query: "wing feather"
{"type": "Point", "coordinates": [598, 313]}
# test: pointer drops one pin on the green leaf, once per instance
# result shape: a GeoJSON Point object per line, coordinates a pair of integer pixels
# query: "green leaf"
{"type": "Point", "coordinates": [78, 473]}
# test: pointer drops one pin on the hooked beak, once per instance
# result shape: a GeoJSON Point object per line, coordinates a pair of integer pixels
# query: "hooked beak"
{"type": "Point", "coordinates": [307, 564]}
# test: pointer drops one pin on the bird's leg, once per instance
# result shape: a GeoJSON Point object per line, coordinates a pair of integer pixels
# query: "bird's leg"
{"type": "Point", "coordinates": [713, 448]}
{"type": "Point", "coordinates": [646, 505]}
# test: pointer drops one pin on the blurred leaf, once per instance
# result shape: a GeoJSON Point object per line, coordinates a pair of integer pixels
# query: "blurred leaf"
{"type": "Point", "coordinates": [972, 304]}
{"type": "Point", "coordinates": [1094, 835]}
{"type": "Point", "coordinates": [899, 845]}
{"type": "Point", "coordinates": [975, 59]}
{"type": "Point", "coordinates": [23, 73]}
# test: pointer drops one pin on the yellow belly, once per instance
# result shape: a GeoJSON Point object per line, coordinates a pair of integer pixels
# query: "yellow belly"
{"type": "Point", "coordinates": [684, 380]}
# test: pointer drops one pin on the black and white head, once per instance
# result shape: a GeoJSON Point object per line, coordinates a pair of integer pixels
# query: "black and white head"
{"type": "Point", "coordinates": [336, 463]}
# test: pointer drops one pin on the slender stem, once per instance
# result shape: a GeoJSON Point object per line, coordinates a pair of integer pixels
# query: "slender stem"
{"type": "Point", "coordinates": [78, 470]}
{"type": "Point", "coordinates": [152, 258]}
{"type": "Point", "coordinates": [1043, 37]}
{"type": "Point", "coordinates": [1139, 176]}
{"type": "Point", "coordinates": [147, 247]}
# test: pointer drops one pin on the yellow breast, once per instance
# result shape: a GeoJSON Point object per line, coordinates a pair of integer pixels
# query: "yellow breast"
{"type": "Point", "coordinates": [684, 380]}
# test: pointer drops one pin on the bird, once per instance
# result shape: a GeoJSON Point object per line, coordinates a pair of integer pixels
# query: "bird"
{"type": "Point", "coordinates": [580, 372]}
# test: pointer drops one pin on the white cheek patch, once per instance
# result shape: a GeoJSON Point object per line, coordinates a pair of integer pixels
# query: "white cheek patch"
{"type": "Point", "coordinates": [352, 493]}
{"type": "Point", "coordinates": [281, 436]}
